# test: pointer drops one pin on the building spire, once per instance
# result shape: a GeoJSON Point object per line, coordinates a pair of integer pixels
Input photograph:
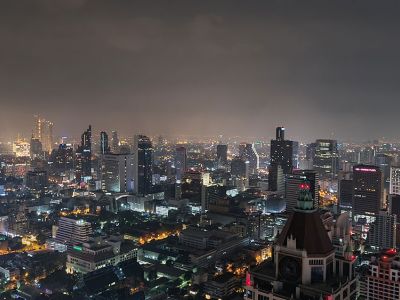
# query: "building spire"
{"type": "Point", "coordinates": [305, 201]}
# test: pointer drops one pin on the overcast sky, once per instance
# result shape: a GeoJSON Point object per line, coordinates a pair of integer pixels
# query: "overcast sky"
{"type": "Point", "coordinates": [320, 68]}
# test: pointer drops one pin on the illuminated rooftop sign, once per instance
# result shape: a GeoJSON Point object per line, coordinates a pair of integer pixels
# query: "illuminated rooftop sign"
{"type": "Point", "coordinates": [365, 170]}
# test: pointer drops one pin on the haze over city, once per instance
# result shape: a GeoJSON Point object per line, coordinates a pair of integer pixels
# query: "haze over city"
{"type": "Point", "coordinates": [320, 68]}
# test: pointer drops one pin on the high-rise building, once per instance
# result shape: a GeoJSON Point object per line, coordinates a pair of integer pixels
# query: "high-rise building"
{"type": "Point", "coordinates": [180, 162]}
{"type": "Point", "coordinates": [44, 133]}
{"type": "Point", "coordinates": [304, 263]}
{"type": "Point", "coordinates": [292, 183]}
{"type": "Point", "coordinates": [383, 278]}
{"type": "Point", "coordinates": [117, 173]}
{"type": "Point", "coordinates": [104, 147]}
{"type": "Point", "coordinates": [326, 161]}
{"type": "Point", "coordinates": [394, 206]}
{"type": "Point", "coordinates": [73, 231]}
{"type": "Point", "coordinates": [284, 152]}
{"type": "Point", "coordinates": [310, 151]}
{"type": "Point", "coordinates": [248, 153]}
{"type": "Point", "coordinates": [394, 187]}
{"type": "Point", "coordinates": [36, 148]}
{"type": "Point", "coordinates": [382, 232]}
{"type": "Point", "coordinates": [345, 194]}
{"type": "Point", "coordinates": [114, 142]}
{"type": "Point", "coordinates": [222, 156]}
{"type": "Point", "coordinates": [367, 190]}
{"type": "Point", "coordinates": [276, 179]}
{"type": "Point", "coordinates": [84, 155]}
{"type": "Point", "coordinates": [384, 162]}
{"type": "Point", "coordinates": [143, 170]}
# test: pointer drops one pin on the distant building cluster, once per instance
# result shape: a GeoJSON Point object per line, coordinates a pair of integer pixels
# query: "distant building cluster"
{"type": "Point", "coordinates": [113, 217]}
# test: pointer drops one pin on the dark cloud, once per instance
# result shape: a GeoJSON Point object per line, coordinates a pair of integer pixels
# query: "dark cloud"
{"type": "Point", "coordinates": [202, 67]}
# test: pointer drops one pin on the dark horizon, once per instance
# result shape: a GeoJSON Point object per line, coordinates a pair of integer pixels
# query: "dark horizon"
{"type": "Point", "coordinates": [322, 69]}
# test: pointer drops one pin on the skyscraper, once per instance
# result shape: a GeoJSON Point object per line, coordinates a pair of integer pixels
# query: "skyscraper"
{"type": "Point", "coordinates": [84, 155]}
{"type": "Point", "coordinates": [384, 162]}
{"type": "Point", "coordinates": [104, 147]}
{"type": "Point", "coordinates": [382, 232]}
{"type": "Point", "coordinates": [284, 152]}
{"type": "Point", "coordinates": [44, 133]}
{"type": "Point", "coordinates": [143, 171]}
{"type": "Point", "coordinates": [367, 190]}
{"type": "Point", "coordinates": [326, 161]}
{"type": "Point", "coordinates": [248, 153]}
{"type": "Point", "coordinates": [394, 206]}
{"type": "Point", "coordinates": [276, 178]}
{"type": "Point", "coordinates": [394, 187]}
{"type": "Point", "coordinates": [36, 148]}
{"type": "Point", "coordinates": [180, 162]}
{"type": "Point", "coordinates": [114, 142]}
{"type": "Point", "coordinates": [222, 156]}
{"type": "Point", "coordinates": [345, 194]}
{"type": "Point", "coordinates": [117, 173]}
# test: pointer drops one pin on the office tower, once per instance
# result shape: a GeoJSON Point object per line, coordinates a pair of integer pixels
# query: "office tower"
{"type": "Point", "coordinates": [222, 156]}
{"type": "Point", "coordinates": [384, 162]}
{"type": "Point", "coordinates": [44, 133]}
{"type": "Point", "coordinates": [248, 153]}
{"type": "Point", "coordinates": [73, 231]}
{"type": "Point", "coordinates": [382, 232]}
{"type": "Point", "coordinates": [36, 148]}
{"type": "Point", "coordinates": [276, 179]}
{"type": "Point", "coordinates": [36, 180]}
{"type": "Point", "coordinates": [394, 186]}
{"type": "Point", "coordinates": [143, 171]}
{"type": "Point", "coordinates": [394, 206]}
{"type": "Point", "coordinates": [84, 155]}
{"type": "Point", "coordinates": [292, 183]}
{"type": "Point", "coordinates": [47, 137]}
{"type": "Point", "coordinates": [304, 263]}
{"type": "Point", "coordinates": [382, 279]}
{"type": "Point", "coordinates": [284, 152]}
{"type": "Point", "coordinates": [326, 161]}
{"type": "Point", "coordinates": [104, 147]}
{"type": "Point", "coordinates": [114, 142]}
{"type": "Point", "coordinates": [180, 162]}
{"type": "Point", "coordinates": [117, 173]}
{"type": "Point", "coordinates": [345, 194]}
{"type": "Point", "coordinates": [367, 190]}
{"type": "Point", "coordinates": [310, 151]}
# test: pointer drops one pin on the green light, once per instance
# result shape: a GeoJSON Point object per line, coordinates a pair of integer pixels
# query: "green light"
{"type": "Point", "coordinates": [77, 248]}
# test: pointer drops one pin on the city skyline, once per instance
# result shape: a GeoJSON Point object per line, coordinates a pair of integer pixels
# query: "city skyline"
{"type": "Point", "coordinates": [322, 69]}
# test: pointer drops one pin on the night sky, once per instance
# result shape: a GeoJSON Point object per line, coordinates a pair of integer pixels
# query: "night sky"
{"type": "Point", "coordinates": [320, 68]}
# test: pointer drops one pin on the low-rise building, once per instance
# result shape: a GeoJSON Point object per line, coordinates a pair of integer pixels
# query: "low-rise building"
{"type": "Point", "coordinates": [96, 254]}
